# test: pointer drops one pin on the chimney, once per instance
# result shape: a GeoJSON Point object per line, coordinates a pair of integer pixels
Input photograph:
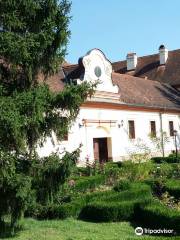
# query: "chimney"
{"type": "Point", "coordinates": [163, 55]}
{"type": "Point", "coordinates": [131, 61]}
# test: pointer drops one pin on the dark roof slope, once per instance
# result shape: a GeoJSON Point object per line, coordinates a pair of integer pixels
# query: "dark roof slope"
{"type": "Point", "coordinates": [149, 67]}
{"type": "Point", "coordinates": [139, 91]}
{"type": "Point", "coordinates": [55, 82]}
{"type": "Point", "coordinates": [133, 90]}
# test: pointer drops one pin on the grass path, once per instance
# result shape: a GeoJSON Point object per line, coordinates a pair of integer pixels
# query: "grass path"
{"type": "Point", "coordinates": [71, 229]}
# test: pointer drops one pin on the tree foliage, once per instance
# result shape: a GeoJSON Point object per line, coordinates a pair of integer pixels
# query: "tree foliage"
{"type": "Point", "coordinates": [33, 39]}
{"type": "Point", "coordinates": [34, 35]}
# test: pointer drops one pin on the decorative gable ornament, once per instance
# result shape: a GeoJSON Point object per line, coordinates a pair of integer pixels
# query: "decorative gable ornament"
{"type": "Point", "coordinates": [98, 67]}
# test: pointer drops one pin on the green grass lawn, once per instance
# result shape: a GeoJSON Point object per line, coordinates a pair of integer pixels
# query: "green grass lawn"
{"type": "Point", "coordinates": [71, 229]}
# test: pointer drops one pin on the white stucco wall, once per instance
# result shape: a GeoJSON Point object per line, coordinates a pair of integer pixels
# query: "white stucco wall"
{"type": "Point", "coordinates": [122, 146]}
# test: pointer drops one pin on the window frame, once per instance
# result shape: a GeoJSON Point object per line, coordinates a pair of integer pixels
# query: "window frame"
{"type": "Point", "coordinates": [153, 135]}
{"type": "Point", "coordinates": [171, 130]}
{"type": "Point", "coordinates": [133, 135]}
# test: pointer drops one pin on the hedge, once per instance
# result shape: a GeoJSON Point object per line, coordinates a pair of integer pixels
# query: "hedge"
{"type": "Point", "coordinates": [167, 170]}
{"type": "Point", "coordinates": [57, 211]}
{"type": "Point", "coordinates": [172, 186]}
{"type": "Point", "coordinates": [122, 185]}
{"type": "Point", "coordinates": [170, 159]}
{"type": "Point", "coordinates": [115, 206]}
{"type": "Point", "coordinates": [127, 185]}
{"type": "Point", "coordinates": [156, 215]}
{"type": "Point", "coordinates": [88, 183]}
{"type": "Point", "coordinates": [108, 211]}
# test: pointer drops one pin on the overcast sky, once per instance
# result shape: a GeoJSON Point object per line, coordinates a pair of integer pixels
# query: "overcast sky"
{"type": "Point", "coordinates": [121, 26]}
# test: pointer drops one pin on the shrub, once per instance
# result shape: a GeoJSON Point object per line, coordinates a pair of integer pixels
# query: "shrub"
{"type": "Point", "coordinates": [79, 171]}
{"type": "Point", "coordinates": [114, 206]}
{"type": "Point", "coordinates": [88, 183]}
{"type": "Point", "coordinates": [172, 186]}
{"type": "Point", "coordinates": [156, 185]}
{"type": "Point", "coordinates": [50, 173]}
{"type": "Point", "coordinates": [122, 185]}
{"type": "Point", "coordinates": [108, 211]}
{"type": "Point", "coordinates": [129, 195]}
{"type": "Point", "coordinates": [56, 211]}
{"type": "Point", "coordinates": [136, 171]}
{"type": "Point", "coordinates": [171, 159]}
{"type": "Point", "coordinates": [127, 185]}
{"type": "Point", "coordinates": [15, 188]}
{"type": "Point", "coordinates": [156, 215]}
{"type": "Point", "coordinates": [82, 171]}
{"type": "Point", "coordinates": [112, 165]}
{"type": "Point", "coordinates": [174, 155]}
{"type": "Point", "coordinates": [164, 170]}
{"type": "Point", "coordinates": [111, 171]}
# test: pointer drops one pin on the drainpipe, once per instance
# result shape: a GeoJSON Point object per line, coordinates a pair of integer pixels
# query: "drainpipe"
{"type": "Point", "coordinates": [161, 132]}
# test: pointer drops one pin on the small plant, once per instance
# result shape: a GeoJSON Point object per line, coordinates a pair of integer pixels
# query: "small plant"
{"type": "Point", "coordinates": [160, 142]}
{"type": "Point", "coordinates": [172, 186]}
{"type": "Point", "coordinates": [122, 185]}
{"type": "Point", "coordinates": [135, 171]}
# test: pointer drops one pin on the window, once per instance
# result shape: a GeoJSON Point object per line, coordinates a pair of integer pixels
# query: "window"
{"type": "Point", "coordinates": [153, 128]}
{"type": "Point", "coordinates": [131, 129]}
{"type": "Point", "coordinates": [171, 128]}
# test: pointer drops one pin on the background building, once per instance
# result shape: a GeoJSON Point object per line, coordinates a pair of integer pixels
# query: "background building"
{"type": "Point", "coordinates": [134, 99]}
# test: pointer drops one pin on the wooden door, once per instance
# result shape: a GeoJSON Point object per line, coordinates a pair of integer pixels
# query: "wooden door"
{"type": "Point", "coordinates": [96, 148]}
{"type": "Point", "coordinates": [103, 150]}
{"type": "Point", "coordinates": [100, 149]}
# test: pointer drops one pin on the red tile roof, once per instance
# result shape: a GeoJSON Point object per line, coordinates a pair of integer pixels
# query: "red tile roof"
{"type": "Point", "coordinates": [149, 67]}
{"type": "Point", "coordinates": [144, 92]}
{"type": "Point", "coordinates": [55, 82]}
{"type": "Point", "coordinates": [149, 85]}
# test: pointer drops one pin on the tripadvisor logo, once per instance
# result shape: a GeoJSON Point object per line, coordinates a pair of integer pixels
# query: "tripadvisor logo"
{"type": "Point", "coordinates": [139, 231]}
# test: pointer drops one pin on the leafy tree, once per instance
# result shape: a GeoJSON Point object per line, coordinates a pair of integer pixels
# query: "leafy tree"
{"type": "Point", "coordinates": [33, 39]}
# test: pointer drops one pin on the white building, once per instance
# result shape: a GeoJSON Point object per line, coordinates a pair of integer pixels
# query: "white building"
{"type": "Point", "coordinates": [134, 99]}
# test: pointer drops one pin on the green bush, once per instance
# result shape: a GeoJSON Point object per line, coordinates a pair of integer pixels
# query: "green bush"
{"type": "Point", "coordinates": [165, 170]}
{"type": "Point", "coordinates": [79, 171]}
{"type": "Point", "coordinates": [136, 171]}
{"type": "Point", "coordinates": [172, 186]}
{"type": "Point", "coordinates": [88, 183]}
{"type": "Point", "coordinates": [171, 159]}
{"type": "Point", "coordinates": [156, 215]}
{"type": "Point", "coordinates": [115, 206]}
{"type": "Point", "coordinates": [50, 173]}
{"type": "Point", "coordinates": [111, 171]}
{"type": "Point", "coordinates": [15, 188]}
{"type": "Point", "coordinates": [122, 185]}
{"type": "Point", "coordinates": [174, 155]}
{"type": "Point", "coordinates": [112, 165]}
{"type": "Point", "coordinates": [156, 185]}
{"type": "Point", "coordinates": [108, 211]}
{"type": "Point", "coordinates": [127, 185]}
{"type": "Point", "coordinates": [56, 211]}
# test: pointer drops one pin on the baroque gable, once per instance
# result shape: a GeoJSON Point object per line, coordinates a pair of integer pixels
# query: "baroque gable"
{"type": "Point", "coordinates": [98, 68]}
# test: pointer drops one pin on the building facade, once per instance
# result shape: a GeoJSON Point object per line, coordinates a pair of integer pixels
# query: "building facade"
{"type": "Point", "coordinates": [127, 108]}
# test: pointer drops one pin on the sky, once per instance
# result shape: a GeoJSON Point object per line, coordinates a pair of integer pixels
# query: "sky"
{"type": "Point", "coordinates": [121, 26]}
